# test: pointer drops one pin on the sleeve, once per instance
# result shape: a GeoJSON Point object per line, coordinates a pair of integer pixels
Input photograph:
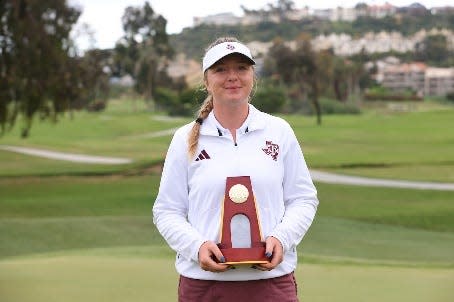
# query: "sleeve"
{"type": "Point", "coordinates": [300, 197]}
{"type": "Point", "coordinates": [171, 205]}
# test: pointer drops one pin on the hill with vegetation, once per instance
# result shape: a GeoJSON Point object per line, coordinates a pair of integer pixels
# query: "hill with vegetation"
{"type": "Point", "coordinates": [192, 41]}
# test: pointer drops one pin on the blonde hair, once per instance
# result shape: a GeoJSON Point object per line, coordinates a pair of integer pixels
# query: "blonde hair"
{"type": "Point", "coordinates": [205, 108]}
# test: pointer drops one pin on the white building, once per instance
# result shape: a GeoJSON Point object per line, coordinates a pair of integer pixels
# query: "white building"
{"type": "Point", "coordinates": [439, 81]}
{"type": "Point", "coordinates": [405, 77]}
{"type": "Point", "coordinates": [218, 19]}
{"type": "Point", "coordinates": [424, 80]}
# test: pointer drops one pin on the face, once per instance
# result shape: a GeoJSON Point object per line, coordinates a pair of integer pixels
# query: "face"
{"type": "Point", "coordinates": [230, 80]}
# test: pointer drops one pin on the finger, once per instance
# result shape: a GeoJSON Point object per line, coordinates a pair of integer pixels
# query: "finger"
{"type": "Point", "coordinates": [260, 267]}
{"type": "Point", "coordinates": [214, 249]}
{"type": "Point", "coordinates": [265, 266]}
{"type": "Point", "coordinates": [269, 248]}
{"type": "Point", "coordinates": [215, 267]}
{"type": "Point", "coordinates": [209, 264]}
{"type": "Point", "coordinates": [209, 256]}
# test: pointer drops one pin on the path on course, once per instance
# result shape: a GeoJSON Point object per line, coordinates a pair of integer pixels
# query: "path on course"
{"type": "Point", "coordinates": [319, 176]}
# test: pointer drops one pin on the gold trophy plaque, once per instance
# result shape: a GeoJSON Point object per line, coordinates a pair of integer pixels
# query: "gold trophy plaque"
{"type": "Point", "coordinates": [239, 200]}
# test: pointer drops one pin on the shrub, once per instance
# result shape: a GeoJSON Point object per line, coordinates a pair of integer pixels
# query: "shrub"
{"type": "Point", "coordinates": [165, 98]}
{"type": "Point", "coordinates": [188, 102]}
{"type": "Point", "coordinates": [329, 106]}
{"type": "Point", "coordinates": [335, 107]}
{"type": "Point", "coordinates": [269, 98]}
{"type": "Point", "coordinates": [450, 96]}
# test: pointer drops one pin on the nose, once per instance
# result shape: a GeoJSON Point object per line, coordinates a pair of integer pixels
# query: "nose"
{"type": "Point", "coordinates": [232, 75]}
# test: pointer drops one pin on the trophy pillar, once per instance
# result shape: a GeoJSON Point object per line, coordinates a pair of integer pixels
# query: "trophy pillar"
{"type": "Point", "coordinates": [239, 200]}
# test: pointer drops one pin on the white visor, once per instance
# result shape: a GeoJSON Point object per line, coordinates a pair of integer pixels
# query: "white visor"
{"type": "Point", "coordinates": [221, 50]}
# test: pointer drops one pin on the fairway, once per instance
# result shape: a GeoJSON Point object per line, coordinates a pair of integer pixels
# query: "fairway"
{"type": "Point", "coordinates": [118, 279]}
{"type": "Point", "coordinates": [84, 232]}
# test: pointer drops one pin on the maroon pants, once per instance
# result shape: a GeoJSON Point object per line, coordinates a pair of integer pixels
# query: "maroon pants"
{"type": "Point", "coordinates": [280, 289]}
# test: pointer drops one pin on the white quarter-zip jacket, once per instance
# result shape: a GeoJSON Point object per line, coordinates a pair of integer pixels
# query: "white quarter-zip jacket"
{"type": "Point", "coordinates": [187, 210]}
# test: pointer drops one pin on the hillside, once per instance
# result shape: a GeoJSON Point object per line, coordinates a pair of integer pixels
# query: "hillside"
{"type": "Point", "coordinates": [192, 41]}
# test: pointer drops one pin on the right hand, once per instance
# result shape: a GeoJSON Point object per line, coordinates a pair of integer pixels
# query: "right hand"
{"type": "Point", "coordinates": [209, 251]}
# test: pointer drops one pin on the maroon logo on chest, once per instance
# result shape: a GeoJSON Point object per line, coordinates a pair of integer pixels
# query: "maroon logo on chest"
{"type": "Point", "coordinates": [271, 149]}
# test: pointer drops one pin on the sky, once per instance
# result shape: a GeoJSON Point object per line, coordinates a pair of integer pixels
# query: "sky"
{"type": "Point", "coordinates": [103, 17]}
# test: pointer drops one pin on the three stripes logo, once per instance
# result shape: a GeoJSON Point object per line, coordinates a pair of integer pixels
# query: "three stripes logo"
{"type": "Point", "coordinates": [203, 155]}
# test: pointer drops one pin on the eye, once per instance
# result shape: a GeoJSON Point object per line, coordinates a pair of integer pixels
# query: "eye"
{"type": "Point", "coordinates": [219, 69]}
{"type": "Point", "coordinates": [243, 67]}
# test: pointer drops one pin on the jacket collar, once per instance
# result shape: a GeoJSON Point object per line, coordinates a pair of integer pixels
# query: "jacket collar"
{"type": "Point", "coordinates": [254, 121]}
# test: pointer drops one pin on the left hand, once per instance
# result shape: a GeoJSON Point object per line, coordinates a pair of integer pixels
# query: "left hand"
{"type": "Point", "coordinates": [273, 247]}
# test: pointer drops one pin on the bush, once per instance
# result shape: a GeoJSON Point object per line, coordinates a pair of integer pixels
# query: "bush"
{"type": "Point", "coordinates": [184, 104]}
{"type": "Point", "coordinates": [188, 103]}
{"type": "Point", "coordinates": [165, 98]}
{"type": "Point", "coordinates": [330, 106]}
{"type": "Point", "coordinates": [269, 98]}
{"type": "Point", "coordinates": [335, 107]}
{"type": "Point", "coordinates": [96, 106]}
{"type": "Point", "coordinates": [450, 97]}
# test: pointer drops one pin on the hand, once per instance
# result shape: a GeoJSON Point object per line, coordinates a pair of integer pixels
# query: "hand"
{"type": "Point", "coordinates": [209, 251]}
{"type": "Point", "coordinates": [274, 249]}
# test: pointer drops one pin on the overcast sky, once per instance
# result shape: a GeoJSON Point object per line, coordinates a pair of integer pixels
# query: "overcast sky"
{"type": "Point", "coordinates": [104, 16]}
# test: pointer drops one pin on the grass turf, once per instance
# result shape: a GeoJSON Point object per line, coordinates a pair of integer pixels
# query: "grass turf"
{"type": "Point", "coordinates": [85, 235]}
{"type": "Point", "coordinates": [64, 213]}
{"type": "Point", "coordinates": [107, 278]}
{"type": "Point", "coordinates": [413, 145]}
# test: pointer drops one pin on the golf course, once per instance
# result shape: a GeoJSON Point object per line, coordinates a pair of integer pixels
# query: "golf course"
{"type": "Point", "coordinates": [75, 231]}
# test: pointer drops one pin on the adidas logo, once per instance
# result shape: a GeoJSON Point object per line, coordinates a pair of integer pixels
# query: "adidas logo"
{"type": "Point", "coordinates": [203, 155]}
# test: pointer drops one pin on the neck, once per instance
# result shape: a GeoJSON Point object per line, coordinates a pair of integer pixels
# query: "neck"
{"type": "Point", "coordinates": [232, 117]}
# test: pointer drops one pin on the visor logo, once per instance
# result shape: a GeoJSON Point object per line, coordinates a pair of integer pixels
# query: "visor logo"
{"type": "Point", "coordinates": [230, 47]}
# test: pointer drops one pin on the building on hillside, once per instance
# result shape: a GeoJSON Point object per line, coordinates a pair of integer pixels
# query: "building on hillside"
{"type": "Point", "coordinates": [250, 19]}
{"type": "Point", "coordinates": [259, 49]}
{"type": "Point", "coordinates": [381, 11]}
{"type": "Point", "coordinates": [344, 14]}
{"type": "Point", "coordinates": [404, 77]}
{"type": "Point", "coordinates": [218, 19]}
{"type": "Point", "coordinates": [442, 10]}
{"type": "Point", "coordinates": [439, 81]}
{"type": "Point", "coordinates": [417, 77]}
{"type": "Point", "coordinates": [190, 69]}
{"type": "Point", "coordinates": [324, 14]}
{"type": "Point", "coordinates": [299, 14]}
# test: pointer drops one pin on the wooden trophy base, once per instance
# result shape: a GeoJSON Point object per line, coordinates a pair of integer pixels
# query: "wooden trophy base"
{"type": "Point", "coordinates": [250, 255]}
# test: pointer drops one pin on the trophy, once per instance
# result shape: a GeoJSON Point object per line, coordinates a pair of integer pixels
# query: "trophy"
{"type": "Point", "coordinates": [239, 200]}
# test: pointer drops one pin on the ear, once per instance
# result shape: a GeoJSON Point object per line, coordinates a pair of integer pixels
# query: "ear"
{"type": "Point", "coordinates": [205, 83]}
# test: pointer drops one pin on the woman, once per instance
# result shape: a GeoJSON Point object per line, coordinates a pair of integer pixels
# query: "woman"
{"type": "Point", "coordinates": [232, 138]}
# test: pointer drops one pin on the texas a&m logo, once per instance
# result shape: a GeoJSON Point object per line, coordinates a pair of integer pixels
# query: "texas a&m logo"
{"type": "Point", "coordinates": [271, 149]}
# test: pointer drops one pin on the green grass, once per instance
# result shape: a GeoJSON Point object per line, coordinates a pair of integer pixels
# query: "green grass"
{"type": "Point", "coordinates": [354, 224]}
{"type": "Point", "coordinates": [107, 278]}
{"type": "Point", "coordinates": [77, 196]}
{"type": "Point", "coordinates": [415, 145]}
{"type": "Point", "coordinates": [421, 209]}
{"type": "Point", "coordinates": [79, 232]}
{"type": "Point", "coordinates": [118, 132]}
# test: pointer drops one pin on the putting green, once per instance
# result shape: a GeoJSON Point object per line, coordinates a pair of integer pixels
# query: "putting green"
{"type": "Point", "coordinates": [109, 278]}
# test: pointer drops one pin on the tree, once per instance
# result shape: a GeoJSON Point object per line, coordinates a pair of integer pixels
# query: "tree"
{"type": "Point", "coordinates": [36, 69]}
{"type": "Point", "coordinates": [144, 50]}
{"type": "Point", "coordinates": [297, 69]}
{"type": "Point", "coordinates": [433, 49]}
